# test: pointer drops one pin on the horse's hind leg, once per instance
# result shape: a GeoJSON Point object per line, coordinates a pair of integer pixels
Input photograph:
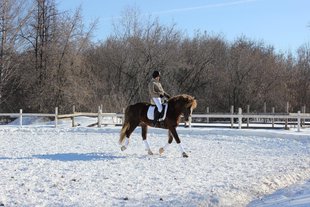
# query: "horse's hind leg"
{"type": "Point", "coordinates": [128, 132]}
{"type": "Point", "coordinates": [144, 134]}
{"type": "Point", "coordinates": [170, 139]}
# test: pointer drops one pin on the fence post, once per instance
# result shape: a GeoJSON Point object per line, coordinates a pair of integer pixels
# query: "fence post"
{"type": "Point", "coordinates": [232, 119]}
{"type": "Point", "coordinates": [56, 117]}
{"type": "Point", "coordinates": [73, 112]}
{"type": "Point", "coordinates": [208, 111]}
{"type": "Point", "coordinates": [114, 118]}
{"type": "Point", "coordinates": [21, 117]}
{"type": "Point", "coordinates": [99, 116]}
{"type": "Point", "coordinates": [273, 111]}
{"type": "Point", "coordinates": [265, 111]}
{"type": "Point", "coordinates": [240, 117]}
{"type": "Point", "coordinates": [298, 122]}
{"type": "Point", "coordinates": [303, 110]}
{"type": "Point", "coordinates": [287, 111]}
{"type": "Point", "coordinates": [248, 119]}
{"type": "Point", "coordinates": [123, 118]}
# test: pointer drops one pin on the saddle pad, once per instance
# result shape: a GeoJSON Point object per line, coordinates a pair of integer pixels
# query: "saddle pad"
{"type": "Point", "coordinates": [150, 112]}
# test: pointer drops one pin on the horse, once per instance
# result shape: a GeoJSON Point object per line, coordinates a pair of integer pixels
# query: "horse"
{"type": "Point", "coordinates": [136, 115]}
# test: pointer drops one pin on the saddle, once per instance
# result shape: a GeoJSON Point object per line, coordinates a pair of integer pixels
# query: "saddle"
{"type": "Point", "coordinates": [151, 109]}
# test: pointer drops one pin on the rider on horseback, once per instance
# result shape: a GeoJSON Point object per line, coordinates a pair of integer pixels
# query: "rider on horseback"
{"type": "Point", "coordinates": [157, 92]}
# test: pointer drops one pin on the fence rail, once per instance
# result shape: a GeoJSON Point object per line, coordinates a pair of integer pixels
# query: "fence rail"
{"type": "Point", "coordinates": [296, 118]}
{"type": "Point", "coordinates": [114, 116]}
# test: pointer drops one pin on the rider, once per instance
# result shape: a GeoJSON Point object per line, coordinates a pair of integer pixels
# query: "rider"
{"type": "Point", "coordinates": [157, 92]}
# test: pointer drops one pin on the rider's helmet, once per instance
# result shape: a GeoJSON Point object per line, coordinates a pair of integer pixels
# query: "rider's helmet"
{"type": "Point", "coordinates": [156, 73]}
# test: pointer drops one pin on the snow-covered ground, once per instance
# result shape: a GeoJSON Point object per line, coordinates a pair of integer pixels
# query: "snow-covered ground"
{"type": "Point", "coordinates": [44, 166]}
{"type": "Point", "coordinates": [295, 195]}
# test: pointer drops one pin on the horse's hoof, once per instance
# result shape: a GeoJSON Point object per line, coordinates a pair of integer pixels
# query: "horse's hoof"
{"type": "Point", "coordinates": [161, 150]}
{"type": "Point", "coordinates": [184, 154]}
{"type": "Point", "coordinates": [123, 148]}
{"type": "Point", "coordinates": [150, 152]}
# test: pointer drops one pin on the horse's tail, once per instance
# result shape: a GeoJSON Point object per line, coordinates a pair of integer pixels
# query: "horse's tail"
{"type": "Point", "coordinates": [125, 127]}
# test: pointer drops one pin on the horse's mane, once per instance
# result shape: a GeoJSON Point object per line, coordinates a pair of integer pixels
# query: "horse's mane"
{"type": "Point", "coordinates": [187, 99]}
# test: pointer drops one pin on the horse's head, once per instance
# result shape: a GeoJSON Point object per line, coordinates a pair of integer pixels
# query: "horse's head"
{"type": "Point", "coordinates": [185, 104]}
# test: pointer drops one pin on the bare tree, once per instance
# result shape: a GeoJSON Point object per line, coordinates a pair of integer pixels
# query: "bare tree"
{"type": "Point", "coordinates": [14, 15]}
{"type": "Point", "coordinates": [302, 77]}
{"type": "Point", "coordinates": [53, 57]}
{"type": "Point", "coordinates": [123, 63]}
{"type": "Point", "coordinates": [47, 59]}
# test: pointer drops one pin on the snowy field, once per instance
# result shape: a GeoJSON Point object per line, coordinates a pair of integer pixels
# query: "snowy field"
{"type": "Point", "coordinates": [44, 166]}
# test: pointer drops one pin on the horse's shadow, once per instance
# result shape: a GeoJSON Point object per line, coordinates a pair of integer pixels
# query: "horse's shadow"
{"type": "Point", "coordinates": [67, 157]}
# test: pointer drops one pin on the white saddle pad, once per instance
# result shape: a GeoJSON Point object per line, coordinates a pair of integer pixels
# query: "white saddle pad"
{"type": "Point", "coordinates": [150, 112]}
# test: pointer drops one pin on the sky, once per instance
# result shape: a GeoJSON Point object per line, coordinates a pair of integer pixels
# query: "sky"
{"type": "Point", "coordinates": [283, 24]}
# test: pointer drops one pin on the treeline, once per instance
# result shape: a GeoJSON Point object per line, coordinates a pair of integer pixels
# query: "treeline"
{"type": "Point", "coordinates": [47, 59]}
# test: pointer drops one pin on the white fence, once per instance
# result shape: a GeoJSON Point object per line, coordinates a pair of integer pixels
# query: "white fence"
{"type": "Point", "coordinates": [296, 118]}
{"type": "Point", "coordinates": [20, 115]}
{"type": "Point", "coordinates": [116, 119]}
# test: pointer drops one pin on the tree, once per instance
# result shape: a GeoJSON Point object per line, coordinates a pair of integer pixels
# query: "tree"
{"type": "Point", "coordinates": [14, 15]}
{"type": "Point", "coordinates": [54, 58]}
{"type": "Point", "coordinates": [122, 64]}
{"type": "Point", "coordinates": [302, 77]}
{"type": "Point", "coordinates": [201, 64]}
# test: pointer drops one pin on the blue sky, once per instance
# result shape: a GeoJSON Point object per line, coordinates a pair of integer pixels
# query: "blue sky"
{"type": "Point", "coordinates": [284, 24]}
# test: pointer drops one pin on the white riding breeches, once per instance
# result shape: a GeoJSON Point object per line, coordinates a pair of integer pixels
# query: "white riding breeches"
{"type": "Point", "coordinates": [157, 101]}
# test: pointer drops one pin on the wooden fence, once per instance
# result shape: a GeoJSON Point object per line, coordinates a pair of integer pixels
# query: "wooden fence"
{"type": "Point", "coordinates": [295, 118]}
{"type": "Point", "coordinates": [116, 119]}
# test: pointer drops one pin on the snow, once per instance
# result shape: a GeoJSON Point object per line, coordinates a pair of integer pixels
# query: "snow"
{"type": "Point", "coordinates": [295, 195]}
{"type": "Point", "coordinates": [45, 166]}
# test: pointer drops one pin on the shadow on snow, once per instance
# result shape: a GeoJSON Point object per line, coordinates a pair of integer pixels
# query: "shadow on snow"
{"type": "Point", "coordinates": [70, 157]}
{"type": "Point", "coordinates": [78, 157]}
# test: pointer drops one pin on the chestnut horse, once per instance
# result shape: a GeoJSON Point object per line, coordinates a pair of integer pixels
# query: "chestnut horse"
{"type": "Point", "coordinates": [136, 115]}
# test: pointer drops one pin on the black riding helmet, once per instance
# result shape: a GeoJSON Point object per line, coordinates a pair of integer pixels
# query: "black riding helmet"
{"type": "Point", "coordinates": [156, 73]}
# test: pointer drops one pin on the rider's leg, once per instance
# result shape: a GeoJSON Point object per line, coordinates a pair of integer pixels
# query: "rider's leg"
{"type": "Point", "coordinates": [157, 110]}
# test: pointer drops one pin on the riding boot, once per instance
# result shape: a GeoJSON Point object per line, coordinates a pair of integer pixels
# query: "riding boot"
{"type": "Point", "coordinates": [161, 114]}
{"type": "Point", "coordinates": [156, 117]}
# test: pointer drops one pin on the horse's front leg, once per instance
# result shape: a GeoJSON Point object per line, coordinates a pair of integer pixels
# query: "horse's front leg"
{"type": "Point", "coordinates": [178, 141]}
{"type": "Point", "coordinates": [146, 144]}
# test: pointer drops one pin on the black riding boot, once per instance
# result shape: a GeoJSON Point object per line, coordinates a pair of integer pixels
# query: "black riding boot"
{"type": "Point", "coordinates": [156, 117]}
